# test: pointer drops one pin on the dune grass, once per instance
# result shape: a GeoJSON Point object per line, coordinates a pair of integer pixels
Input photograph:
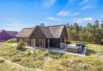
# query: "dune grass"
{"type": "Point", "coordinates": [7, 65]}
{"type": "Point", "coordinates": [33, 58]}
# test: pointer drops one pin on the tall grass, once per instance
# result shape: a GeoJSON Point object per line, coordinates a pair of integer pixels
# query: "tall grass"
{"type": "Point", "coordinates": [34, 58]}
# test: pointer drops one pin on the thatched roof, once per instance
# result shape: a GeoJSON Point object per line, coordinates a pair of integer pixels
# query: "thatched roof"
{"type": "Point", "coordinates": [12, 33]}
{"type": "Point", "coordinates": [48, 31]}
{"type": "Point", "coordinates": [25, 32]}
{"type": "Point", "coordinates": [56, 31]}
{"type": "Point", "coordinates": [1, 31]}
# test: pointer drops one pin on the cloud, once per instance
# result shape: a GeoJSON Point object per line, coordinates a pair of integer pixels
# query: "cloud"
{"type": "Point", "coordinates": [83, 19]}
{"type": "Point", "coordinates": [101, 15]}
{"type": "Point", "coordinates": [48, 3]}
{"type": "Point", "coordinates": [88, 4]}
{"type": "Point", "coordinates": [100, 22]}
{"type": "Point", "coordinates": [63, 13]}
{"type": "Point", "coordinates": [83, 2]}
{"type": "Point", "coordinates": [75, 13]}
{"type": "Point", "coordinates": [66, 13]}
{"type": "Point", "coordinates": [87, 7]}
{"type": "Point", "coordinates": [54, 19]}
{"type": "Point", "coordinates": [12, 24]}
{"type": "Point", "coordinates": [12, 21]}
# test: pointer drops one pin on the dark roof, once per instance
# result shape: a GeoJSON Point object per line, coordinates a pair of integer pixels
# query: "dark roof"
{"type": "Point", "coordinates": [25, 32]}
{"type": "Point", "coordinates": [12, 33]}
{"type": "Point", "coordinates": [1, 31]}
{"type": "Point", "coordinates": [48, 31]}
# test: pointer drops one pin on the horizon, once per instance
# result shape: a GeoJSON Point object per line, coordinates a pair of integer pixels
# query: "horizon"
{"type": "Point", "coordinates": [18, 14]}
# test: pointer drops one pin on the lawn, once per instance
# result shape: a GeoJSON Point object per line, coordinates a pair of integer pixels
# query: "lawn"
{"type": "Point", "coordinates": [33, 58]}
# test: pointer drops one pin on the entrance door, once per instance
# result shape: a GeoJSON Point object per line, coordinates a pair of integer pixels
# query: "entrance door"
{"type": "Point", "coordinates": [55, 43]}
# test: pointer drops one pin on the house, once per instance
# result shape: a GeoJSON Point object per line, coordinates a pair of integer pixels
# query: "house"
{"type": "Point", "coordinates": [12, 33]}
{"type": "Point", "coordinates": [43, 36]}
{"type": "Point", "coordinates": [6, 35]}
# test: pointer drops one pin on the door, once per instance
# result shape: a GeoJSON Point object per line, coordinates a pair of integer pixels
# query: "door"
{"type": "Point", "coordinates": [55, 43]}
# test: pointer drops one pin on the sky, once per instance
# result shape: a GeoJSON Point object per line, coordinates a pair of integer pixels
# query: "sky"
{"type": "Point", "coordinates": [18, 14]}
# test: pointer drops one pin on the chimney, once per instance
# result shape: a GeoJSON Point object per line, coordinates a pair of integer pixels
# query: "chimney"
{"type": "Point", "coordinates": [42, 24]}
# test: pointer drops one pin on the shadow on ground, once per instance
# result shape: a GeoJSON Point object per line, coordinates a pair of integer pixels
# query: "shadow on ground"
{"type": "Point", "coordinates": [89, 52]}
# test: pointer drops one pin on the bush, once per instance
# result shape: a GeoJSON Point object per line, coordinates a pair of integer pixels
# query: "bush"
{"type": "Point", "coordinates": [15, 60]}
{"type": "Point", "coordinates": [21, 46]}
{"type": "Point", "coordinates": [55, 55]}
{"type": "Point", "coordinates": [2, 60]}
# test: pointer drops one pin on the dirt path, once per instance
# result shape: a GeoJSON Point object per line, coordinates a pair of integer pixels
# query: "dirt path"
{"type": "Point", "coordinates": [16, 65]}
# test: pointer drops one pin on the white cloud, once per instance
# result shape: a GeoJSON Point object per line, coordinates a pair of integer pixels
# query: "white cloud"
{"type": "Point", "coordinates": [54, 19]}
{"type": "Point", "coordinates": [48, 3]}
{"type": "Point", "coordinates": [101, 15]}
{"type": "Point", "coordinates": [12, 21]}
{"type": "Point", "coordinates": [12, 24]}
{"type": "Point", "coordinates": [88, 4]}
{"type": "Point", "coordinates": [83, 19]}
{"type": "Point", "coordinates": [63, 13]}
{"type": "Point", "coordinates": [100, 22]}
{"type": "Point", "coordinates": [75, 13]}
{"type": "Point", "coordinates": [87, 7]}
{"type": "Point", "coordinates": [83, 2]}
{"type": "Point", "coordinates": [66, 13]}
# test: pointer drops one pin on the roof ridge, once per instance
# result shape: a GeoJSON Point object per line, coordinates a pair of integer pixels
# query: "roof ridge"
{"type": "Point", "coordinates": [55, 25]}
{"type": "Point", "coordinates": [27, 28]}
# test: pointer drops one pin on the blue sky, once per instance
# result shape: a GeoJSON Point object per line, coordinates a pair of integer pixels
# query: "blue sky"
{"type": "Point", "coordinates": [18, 14]}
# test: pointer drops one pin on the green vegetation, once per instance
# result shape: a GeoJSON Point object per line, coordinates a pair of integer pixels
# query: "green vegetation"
{"type": "Point", "coordinates": [21, 46]}
{"type": "Point", "coordinates": [92, 33]}
{"type": "Point", "coordinates": [33, 58]}
{"type": "Point", "coordinates": [94, 50]}
{"type": "Point", "coordinates": [6, 65]}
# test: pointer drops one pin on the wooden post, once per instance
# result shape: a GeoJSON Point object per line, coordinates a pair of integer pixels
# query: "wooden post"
{"type": "Point", "coordinates": [34, 42]}
{"type": "Point", "coordinates": [48, 43]}
{"type": "Point", "coordinates": [44, 42]}
{"type": "Point", "coordinates": [65, 42]}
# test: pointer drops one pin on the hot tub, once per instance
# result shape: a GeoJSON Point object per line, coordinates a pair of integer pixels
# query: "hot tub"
{"type": "Point", "coordinates": [74, 48]}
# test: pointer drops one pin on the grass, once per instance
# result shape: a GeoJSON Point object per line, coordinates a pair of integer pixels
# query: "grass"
{"type": "Point", "coordinates": [8, 43]}
{"type": "Point", "coordinates": [7, 65]}
{"type": "Point", "coordinates": [94, 49]}
{"type": "Point", "coordinates": [24, 58]}
{"type": "Point", "coordinates": [34, 58]}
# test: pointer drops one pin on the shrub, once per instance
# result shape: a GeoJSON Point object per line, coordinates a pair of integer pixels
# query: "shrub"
{"type": "Point", "coordinates": [55, 55]}
{"type": "Point", "coordinates": [15, 60]}
{"type": "Point", "coordinates": [46, 53]}
{"type": "Point", "coordinates": [2, 60]}
{"type": "Point", "coordinates": [21, 46]}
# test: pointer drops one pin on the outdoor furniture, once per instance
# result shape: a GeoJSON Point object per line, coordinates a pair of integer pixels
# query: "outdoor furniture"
{"type": "Point", "coordinates": [73, 48]}
{"type": "Point", "coordinates": [81, 46]}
